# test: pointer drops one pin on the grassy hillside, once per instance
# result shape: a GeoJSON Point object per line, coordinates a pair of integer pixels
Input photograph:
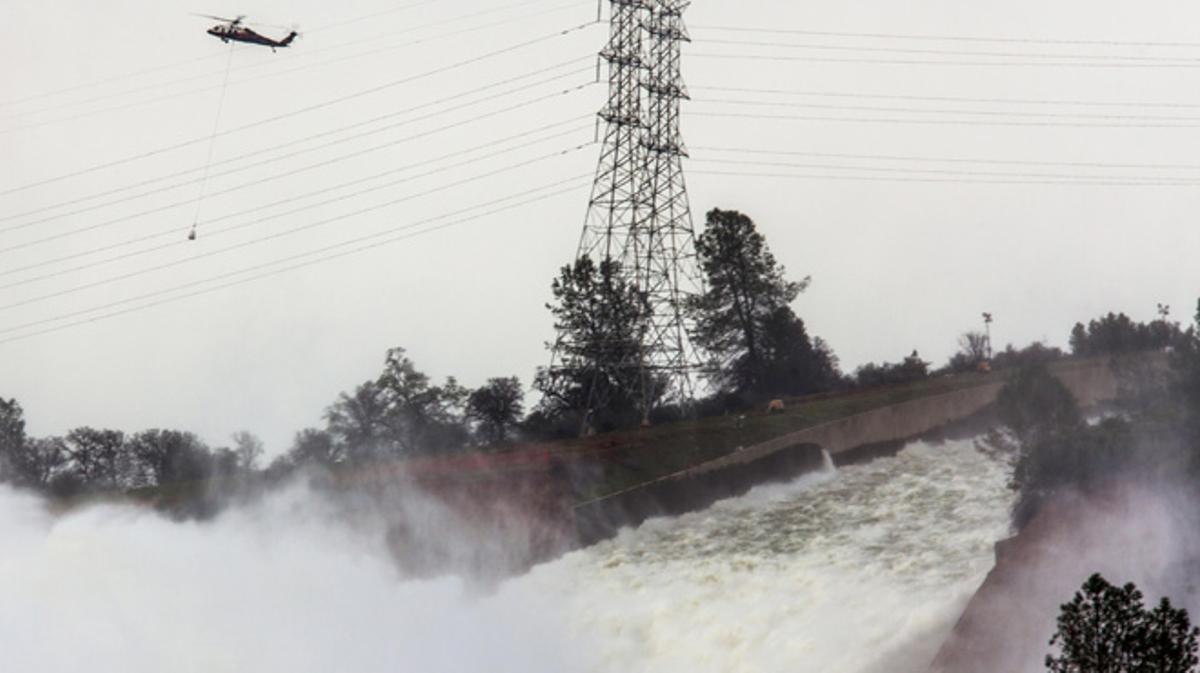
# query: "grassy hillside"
{"type": "Point", "coordinates": [612, 462]}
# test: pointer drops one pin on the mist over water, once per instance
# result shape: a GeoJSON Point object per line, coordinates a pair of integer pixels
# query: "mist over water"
{"type": "Point", "coordinates": [280, 587]}
{"type": "Point", "coordinates": [859, 570]}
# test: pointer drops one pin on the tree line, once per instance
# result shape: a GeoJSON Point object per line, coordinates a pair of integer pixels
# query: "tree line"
{"type": "Point", "coordinates": [1052, 447]}
{"type": "Point", "coordinates": [403, 412]}
{"type": "Point", "coordinates": [756, 346]}
{"type": "Point", "coordinates": [89, 460]}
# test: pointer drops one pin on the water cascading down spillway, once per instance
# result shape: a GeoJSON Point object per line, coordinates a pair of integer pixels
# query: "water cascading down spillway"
{"type": "Point", "coordinates": [859, 569]}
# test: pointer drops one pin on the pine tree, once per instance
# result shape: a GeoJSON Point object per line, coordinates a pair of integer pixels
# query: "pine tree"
{"type": "Point", "coordinates": [1107, 629]}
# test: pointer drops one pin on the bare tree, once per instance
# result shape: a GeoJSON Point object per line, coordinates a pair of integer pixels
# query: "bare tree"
{"type": "Point", "coordinates": [248, 448]}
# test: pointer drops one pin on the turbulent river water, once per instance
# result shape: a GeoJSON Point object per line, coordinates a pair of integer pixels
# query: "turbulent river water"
{"type": "Point", "coordinates": [860, 569]}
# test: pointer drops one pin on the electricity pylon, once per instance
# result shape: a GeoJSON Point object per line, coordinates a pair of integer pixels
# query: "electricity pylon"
{"type": "Point", "coordinates": [639, 215]}
{"type": "Point", "coordinates": [668, 268]}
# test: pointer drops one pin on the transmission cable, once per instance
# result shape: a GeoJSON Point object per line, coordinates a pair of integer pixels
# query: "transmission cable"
{"type": "Point", "coordinates": [278, 176]}
{"type": "Point", "coordinates": [365, 17]}
{"type": "Point", "coordinates": [317, 106]}
{"type": "Point", "coordinates": [954, 99]}
{"type": "Point", "coordinates": [1157, 180]}
{"type": "Point", "coordinates": [940, 122]}
{"type": "Point", "coordinates": [309, 31]}
{"type": "Point", "coordinates": [299, 68]}
{"type": "Point", "coordinates": [897, 61]}
{"type": "Point", "coordinates": [950, 38]}
{"type": "Point", "coordinates": [363, 239]}
{"type": "Point", "coordinates": [952, 52]}
{"type": "Point", "coordinates": [951, 111]}
{"type": "Point", "coordinates": [336, 130]}
{"type": "Point", "coordinates": [966, 181]}
{"type": "Point", "coordinates": [136, 73]}
{"type": "Point", "coordinates": [961, 160]}
{"type": "Point", "coordinates": [277, 60]}
{"type": "Point", "coordinates": [174, 231]}
{"type": "Point", "coordinates": [270, 237]}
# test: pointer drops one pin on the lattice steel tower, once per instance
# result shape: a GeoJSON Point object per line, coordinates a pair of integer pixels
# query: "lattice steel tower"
{"type": "Point", "coordinates": [612, 215]}
{"type": "Point", "coordinates": [639, 214]}
{"type": "Point", "coordinates": [665, 238]}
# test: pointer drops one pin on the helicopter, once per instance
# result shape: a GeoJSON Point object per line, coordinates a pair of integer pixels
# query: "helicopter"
{"type": "Point", "coordinates": [237, 31]}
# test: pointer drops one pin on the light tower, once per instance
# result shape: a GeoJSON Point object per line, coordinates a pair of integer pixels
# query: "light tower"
{"type": "Point", "coordinates": [987, 326]}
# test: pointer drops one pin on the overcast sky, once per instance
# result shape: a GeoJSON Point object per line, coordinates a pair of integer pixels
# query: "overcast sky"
{"type": "Point", "coordinates": [905, 262]}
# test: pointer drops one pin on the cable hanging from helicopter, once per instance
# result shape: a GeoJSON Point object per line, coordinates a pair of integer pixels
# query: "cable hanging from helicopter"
{"type": "Point", "coordinates": [230, 31]}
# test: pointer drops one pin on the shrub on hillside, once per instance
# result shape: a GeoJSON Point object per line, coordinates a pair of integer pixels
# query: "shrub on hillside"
{"type": "Point", "coordinates": [1049, 444]}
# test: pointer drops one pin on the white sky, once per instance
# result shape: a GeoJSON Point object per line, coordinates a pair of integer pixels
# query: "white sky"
{"type": "Point", "coordinates": [897, 265]}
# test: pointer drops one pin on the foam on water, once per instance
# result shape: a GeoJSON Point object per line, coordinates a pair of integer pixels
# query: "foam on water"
{"type": "Point", "coordinates": [851, 571]}
{"type": "Point", "coordinates": [862, 569]}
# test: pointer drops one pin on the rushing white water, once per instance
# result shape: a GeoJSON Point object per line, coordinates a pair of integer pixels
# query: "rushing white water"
{"type": "Point", "coordinates": [863, 569]}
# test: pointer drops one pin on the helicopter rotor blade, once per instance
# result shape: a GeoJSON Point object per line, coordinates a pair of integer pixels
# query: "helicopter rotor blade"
{"type": "Point", "coordinates": [220, 18]}
{"type": "Point", "coordinates": [275, 26]}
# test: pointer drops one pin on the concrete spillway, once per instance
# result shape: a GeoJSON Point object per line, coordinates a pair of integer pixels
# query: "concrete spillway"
{"type": "Point", "coordinates": [1091, 381]}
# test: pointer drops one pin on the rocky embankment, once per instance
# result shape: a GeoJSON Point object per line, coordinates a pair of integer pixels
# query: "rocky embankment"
{"type": "Point", "coordinates": [1129, 534]}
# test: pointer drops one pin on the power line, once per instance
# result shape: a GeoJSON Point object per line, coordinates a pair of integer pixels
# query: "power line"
{"type": "Point", "coordinates": [955, 38]}
{"type": "Point", "coordinates": [962, 172]}
{"type": "Point", "coordinates": [895, 157]}
{"type": "Point", "coordinates": [523, 18]}
{"type": "Point", "coordinates": [373, 15]}
{"type": "Point", "coordinates": [363, 248]}
{"type": "Point", "coordinates": [953, 52]}
{"type": "Point", "coordinates": [174, 231]}
{"type": "Point", "coordinates": [328, 162]}
{"type": "Point", "coordinates": [287, 56]}
{"type": "Point", "coordinates": [891, 61]}
{"type": "Point", "coordinates": [952, 111]}
{"type": "Point", "coordinates": [872, 178]}
{"type": "Point", "coordinates": [300, 68]}
{"type": "Point", "coordinates": [317, 106]}
{"type": "Point", "coordinates": [336, 130]}
{"type": "Point", "coordinates": [286, 232]}
{"type": "Point", "coordinates": [955, 99]}
{"type": "Point", "coordinates": [942, 122]}
{"type": "Point", "coordinates": [295, 171]}
{"type": "Point", "coordinates": [309, 31]}
{"type": "Point", "coordinates": [114, 78]}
